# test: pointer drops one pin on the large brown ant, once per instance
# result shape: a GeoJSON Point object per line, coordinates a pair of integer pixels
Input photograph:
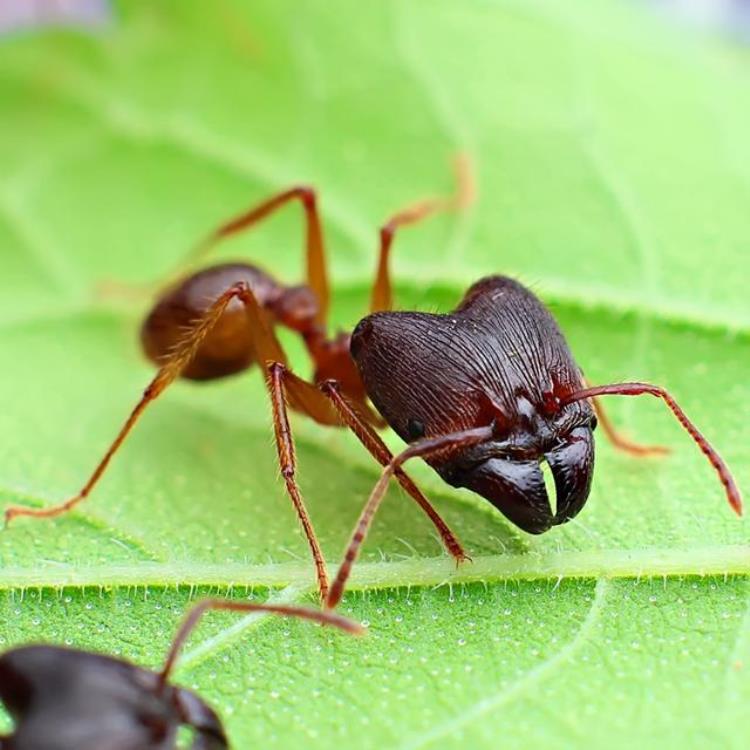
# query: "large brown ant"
{"type": "Point", "coordinates": [482, 394]}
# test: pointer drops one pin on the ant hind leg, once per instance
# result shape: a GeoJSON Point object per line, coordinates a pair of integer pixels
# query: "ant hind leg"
{"type": "Point", "coordinates": [382, 291]}
{"type": "Point", "coordinates": [164, 377]}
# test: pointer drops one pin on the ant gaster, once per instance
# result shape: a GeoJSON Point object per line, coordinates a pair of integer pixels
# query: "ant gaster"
{"type": "Point", "coordinates": [483, 394]}
{"type": "Point", "coordinates": [65, 699]}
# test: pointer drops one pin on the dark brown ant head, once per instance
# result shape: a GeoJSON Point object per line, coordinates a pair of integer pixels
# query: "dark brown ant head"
{"type": "Point", "coordinates": [63, 698]}
{"type": "Point", "coordinates": [499, 358]}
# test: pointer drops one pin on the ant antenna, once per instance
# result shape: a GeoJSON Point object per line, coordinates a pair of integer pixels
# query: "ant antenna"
{"type": "Point", "coordinates": [636, 389]}
{"type": "Point", "coordinates": [194, 616]}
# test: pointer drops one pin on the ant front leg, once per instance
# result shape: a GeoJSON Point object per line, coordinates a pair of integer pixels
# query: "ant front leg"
{"type": "Point", "coordinates": [382, 291]}
{"type": "Point", "coordinates": [638, 389]}
{"type": "Point", "coordinates": [379, 451]}
{"type": "Point", "coordinates": [618, 440]}
{"type": "Point", "coordinates": [425, 448]}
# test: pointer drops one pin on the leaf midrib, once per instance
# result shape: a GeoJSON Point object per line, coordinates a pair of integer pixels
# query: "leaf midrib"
{"type": "Point", "coordinates": [429, 571]}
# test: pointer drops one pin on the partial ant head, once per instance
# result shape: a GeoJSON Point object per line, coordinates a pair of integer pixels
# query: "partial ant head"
{"type": "Point", "coordinates": [63, 698]}
{"type": "Point", "coordinates": [499, 358]}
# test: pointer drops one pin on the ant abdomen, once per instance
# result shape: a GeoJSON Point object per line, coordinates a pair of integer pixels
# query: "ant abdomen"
{"type": "Point", "coordinates": [227, 349]}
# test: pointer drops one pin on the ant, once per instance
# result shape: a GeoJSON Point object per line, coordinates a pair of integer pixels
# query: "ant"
{"type": "Point", "coordinates": [483, 394]}
{"type": "Point", "coordinates": [65, 698]}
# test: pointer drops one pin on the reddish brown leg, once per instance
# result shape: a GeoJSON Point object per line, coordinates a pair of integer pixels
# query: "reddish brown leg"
{"type": "Point", "coordinates": [163, 378]}
{"type": "Point", "coordinates": [200, 609]}
{"type": "Point", "coordinates": [281, 382]}
{"type": "Point", "coordinates": [382, 293]}
{"type": "Point", "coordinates": [317, 276]}
{"type": "Point", "coordinates": [619, 441]}
{"type": "Point", "coordinates": [378, 449]}
{"type": "Point", "coordinates": [637, 389]}
{"type": "Point", "coordinates": [422, 448]}
{"type": "Point", "coordinates": [288, 464]}
{"type": "Point", "coordinates": [267, 349]}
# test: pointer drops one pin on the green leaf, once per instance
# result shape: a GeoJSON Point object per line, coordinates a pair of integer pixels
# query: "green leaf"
{"type": "Point", "coordinates": [614, 173]}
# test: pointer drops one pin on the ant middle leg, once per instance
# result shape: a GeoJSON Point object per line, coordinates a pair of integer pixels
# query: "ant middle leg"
{"type": "Point", "coordinates": [325, 405]}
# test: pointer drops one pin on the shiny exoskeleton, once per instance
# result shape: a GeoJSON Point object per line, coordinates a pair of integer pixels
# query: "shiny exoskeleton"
{"type": "Point", "coordinates": [483, 394]}
{"type": "Point", "coordinates": [498, 359]}
{"type": "Point", "coordinates": [62, 699]}
{"type": "Point", "coordinates": [66, 699]}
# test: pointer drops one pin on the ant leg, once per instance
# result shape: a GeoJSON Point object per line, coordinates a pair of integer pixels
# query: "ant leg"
{"type": "Point", "coordinates": [166, 375]}
{"type": "Point", "coordinates": [637, 389]}
{"type": "Point", "coordinates": [618, 440]}
{"type": "Point", "coordinates": [209, 733]}
{"type": "Point", "coordinates": [290, 610]}
{"type": "Point", "coordinates": [378, 449]}
{"type": "Point", "coordinates": [621, 442]}
{"type": "Point", "coordinates": [382, 293]}
{"type": "Point", "coordinates": [316, 272]}
{"type": "Point", "coordinates": [288, 463]}
{"type": "Point", "coordinates": [267, 348]}
{"type": "Point", "coordinates": [282, 384]}
{"type": "Point", "coordinates": [317, 275]}
{"type": "Point", "coordinates": [422, 448]}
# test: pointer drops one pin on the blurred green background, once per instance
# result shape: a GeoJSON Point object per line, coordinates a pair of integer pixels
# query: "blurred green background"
{"type": "Point", "coordinates": [613, 169]}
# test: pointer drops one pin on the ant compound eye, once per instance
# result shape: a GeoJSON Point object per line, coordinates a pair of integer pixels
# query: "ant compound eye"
{"type": "Point", "coordinates": [415, 428]}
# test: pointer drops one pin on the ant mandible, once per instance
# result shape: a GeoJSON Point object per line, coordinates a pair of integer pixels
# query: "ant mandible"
{"type": "Point", "coordinates": [482, 394]}
{"type": "Point", "coordinates": [66, 698]}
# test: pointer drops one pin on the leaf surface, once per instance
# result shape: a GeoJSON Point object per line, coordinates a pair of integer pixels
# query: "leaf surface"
{"type": "Point", "coordinates": [614, 177]}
